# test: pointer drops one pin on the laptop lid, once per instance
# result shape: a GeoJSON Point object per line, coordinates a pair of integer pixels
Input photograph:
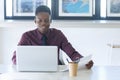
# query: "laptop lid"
{"type": "Point", "coordinates": [37, 58]}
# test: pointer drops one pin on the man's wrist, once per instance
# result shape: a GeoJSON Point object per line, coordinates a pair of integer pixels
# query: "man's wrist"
{"type": "Point", "coordinates": [77, 59]}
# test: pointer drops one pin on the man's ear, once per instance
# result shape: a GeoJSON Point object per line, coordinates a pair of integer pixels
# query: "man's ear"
{"type": "Point", "coordinates": [50, 20]}
{"type": "Point", "coordinates": [35, 20]}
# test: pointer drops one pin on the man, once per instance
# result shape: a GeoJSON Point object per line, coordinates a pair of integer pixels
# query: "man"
{"type": "Point", "coordinates": [44, 35]}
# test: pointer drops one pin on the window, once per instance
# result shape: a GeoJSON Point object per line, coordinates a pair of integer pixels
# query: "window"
{"type": "Point", "coordinates": [101, 10]}
{"type": "Point", "coordinates": [74, 9]}
{"type": "Point", "coordinates": [23, 9]}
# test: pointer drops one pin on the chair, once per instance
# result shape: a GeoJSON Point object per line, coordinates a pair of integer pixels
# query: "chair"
{"type": "Point", "coordinates": [114, 53]}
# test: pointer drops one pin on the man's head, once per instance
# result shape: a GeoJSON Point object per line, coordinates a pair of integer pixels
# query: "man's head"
{"type": "Point", "coordinates": [42, 8]}
{"type": "Point", "coordinates": [43, 18]}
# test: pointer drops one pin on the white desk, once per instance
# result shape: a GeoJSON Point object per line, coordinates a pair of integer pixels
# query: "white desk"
{"type": "Point", "coordinates": [96, 73]}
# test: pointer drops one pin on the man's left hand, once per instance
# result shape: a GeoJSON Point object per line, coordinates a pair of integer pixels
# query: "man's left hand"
{"type": "Point", "coordinates": [89, 64]}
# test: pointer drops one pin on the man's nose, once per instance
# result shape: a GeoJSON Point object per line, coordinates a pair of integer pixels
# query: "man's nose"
{"type": "Point", "coordinates": [43, 23]}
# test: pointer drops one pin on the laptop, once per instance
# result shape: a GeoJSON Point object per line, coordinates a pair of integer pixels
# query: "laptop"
{"type": "Point", "coordinates": [37, 58]}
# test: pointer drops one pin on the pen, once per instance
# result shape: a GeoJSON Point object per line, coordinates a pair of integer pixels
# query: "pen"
{"type": "Point", "coordinates": [67, 60]}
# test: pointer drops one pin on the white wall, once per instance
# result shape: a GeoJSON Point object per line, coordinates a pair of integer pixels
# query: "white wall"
{"type": "Point", "coordinates": [87, 37]}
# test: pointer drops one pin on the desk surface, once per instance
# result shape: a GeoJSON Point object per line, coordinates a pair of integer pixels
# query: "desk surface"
{"type": "Point", "coordinates": [96, 73]}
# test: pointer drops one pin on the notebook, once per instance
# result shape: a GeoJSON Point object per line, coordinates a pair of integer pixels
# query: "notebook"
{"type": "Point", "coordinates": [37, 58]}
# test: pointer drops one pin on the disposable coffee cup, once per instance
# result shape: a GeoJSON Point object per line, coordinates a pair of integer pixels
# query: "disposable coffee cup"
{"type": "Point", "coordinates": [73, 68]}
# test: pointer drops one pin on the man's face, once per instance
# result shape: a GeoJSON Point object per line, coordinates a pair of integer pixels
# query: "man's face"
{"type": "Point", "coordinates": [43, 20]}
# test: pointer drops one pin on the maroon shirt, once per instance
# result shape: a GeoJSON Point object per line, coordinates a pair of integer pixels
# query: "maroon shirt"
{"type": "Point", "coordinates": [54, 37]}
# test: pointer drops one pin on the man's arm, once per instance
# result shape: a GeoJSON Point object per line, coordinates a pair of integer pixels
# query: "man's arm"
{"type": "Point", "coordinates": [14, 58]}
{"type": "Point", "coordinates": [23, 41]}
{"type": "Point", "coordinates": [71, 52]}
{"type": "Point", "coordinates": [68, 48]}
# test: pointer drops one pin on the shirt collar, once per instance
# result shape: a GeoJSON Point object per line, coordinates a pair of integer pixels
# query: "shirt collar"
{"type": "Point", "coordinates": [40, 35]}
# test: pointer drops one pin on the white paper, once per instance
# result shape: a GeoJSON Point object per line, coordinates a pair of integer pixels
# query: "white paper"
{"type": "Point", "coordinates": [85, 60]}
{"type": "Point", "coordinates": [63, 68]}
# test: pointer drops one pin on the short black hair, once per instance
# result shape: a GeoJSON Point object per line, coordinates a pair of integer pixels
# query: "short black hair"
{"type": "Point", "coordinates": [42, 8]}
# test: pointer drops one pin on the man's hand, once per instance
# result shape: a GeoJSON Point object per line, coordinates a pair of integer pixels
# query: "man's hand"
{"type": "Point", "coordinates": [89, 64]}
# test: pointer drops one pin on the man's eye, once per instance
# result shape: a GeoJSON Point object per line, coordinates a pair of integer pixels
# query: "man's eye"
{"type": "Point", "coordinates": [46, 21]}
{"type": "Point", "coordinates": [39, 20]}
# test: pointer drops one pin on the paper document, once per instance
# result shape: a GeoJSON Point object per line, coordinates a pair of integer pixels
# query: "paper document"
{"type": "Point", "coordinates": [63, 68]}
{"type": "Point", "coordinates": [82, 63]}
{"type": "Point", "coordinates": [85, 60]}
